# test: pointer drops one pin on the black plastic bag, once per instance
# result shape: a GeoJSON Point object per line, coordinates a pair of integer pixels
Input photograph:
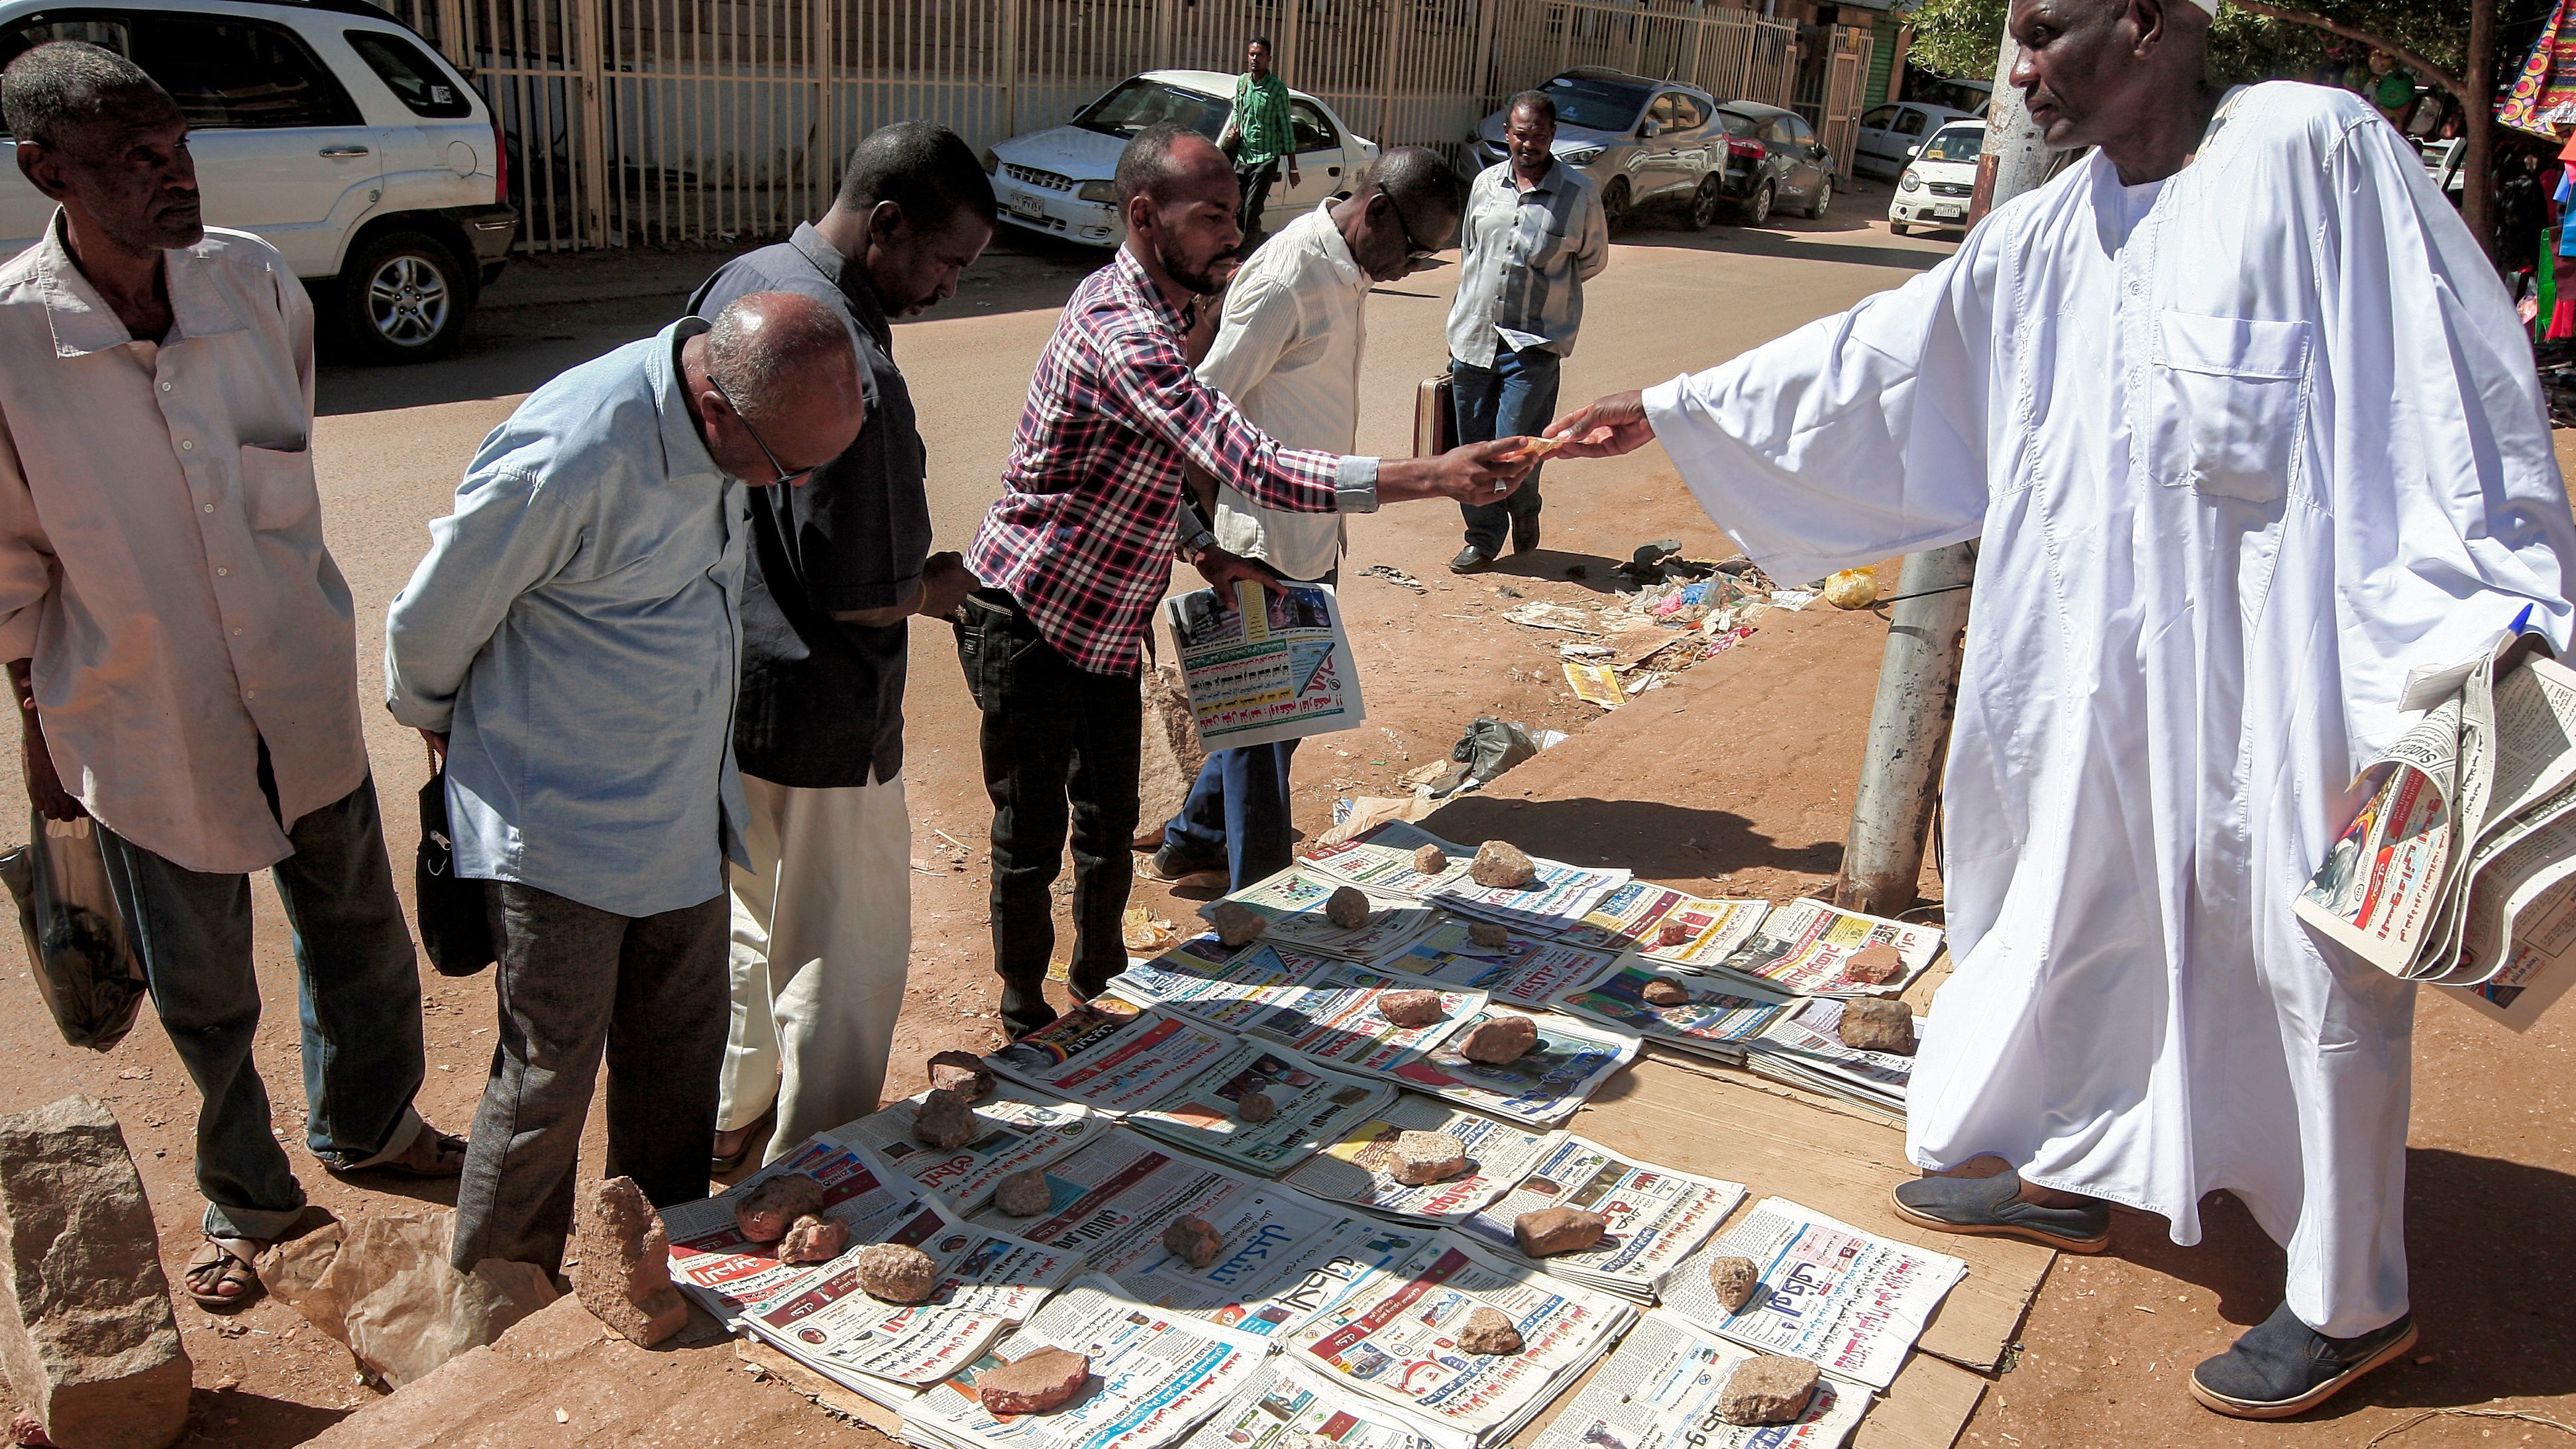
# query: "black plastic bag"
{"type": "Point", "coordinates": [453, 928]}
{"type": "Point", "coordinates": [85, 968]}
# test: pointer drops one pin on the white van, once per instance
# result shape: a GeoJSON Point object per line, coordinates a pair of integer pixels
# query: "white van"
{"type": "Point", "coordinates": [329, 129]}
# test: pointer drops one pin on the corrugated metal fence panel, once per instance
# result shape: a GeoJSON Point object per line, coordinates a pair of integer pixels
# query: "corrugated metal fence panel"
{"type": "Point", "coordinates": [668, 121]}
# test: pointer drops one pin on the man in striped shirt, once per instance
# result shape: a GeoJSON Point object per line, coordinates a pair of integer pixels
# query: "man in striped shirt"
{"type": "Point", "coordinates": [1079, 546]}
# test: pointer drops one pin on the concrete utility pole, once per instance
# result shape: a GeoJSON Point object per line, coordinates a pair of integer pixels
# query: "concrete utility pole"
{"type": "Point", "coordinates": [1918, 678]}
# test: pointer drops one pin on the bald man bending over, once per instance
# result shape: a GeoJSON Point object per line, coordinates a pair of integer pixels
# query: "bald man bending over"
{"type": "Point", "coordinates": [571, 646]}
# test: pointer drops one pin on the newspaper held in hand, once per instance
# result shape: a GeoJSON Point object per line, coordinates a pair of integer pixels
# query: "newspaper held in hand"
{"type": "Point", "coordinates": [1311, 1107]}
{"type": "Point", "coordinates": [1356, 1169]}
{"type": "Point", "coordinates": [1155, 1376]}
{"type": "Point", "coordinates": [1850, 1301]}
{"type": "Point", "coordinates": [1803, 947]}
{"type": "Point", "coordinates": [1717, 1020]}
{"type": "Point", "coordinates": [1396, 1340]}
{"type": "Point", "coordinates": [1657, 1216]}
{"type": "Point", "coordinates": [1112, 1057]}
{"type": "Point", "coordinates": [1017, 1129]}
{"type": "Point", "coordinates": [1526, 970]}
{"type": "Point", "coordinates": [1659, 1390]}
{"type": "Point", "coordinates": [1547, 1084]}
{"type": "Point", "coordinates": [1268, 666]}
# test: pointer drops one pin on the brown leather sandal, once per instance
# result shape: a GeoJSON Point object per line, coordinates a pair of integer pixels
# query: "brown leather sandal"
{"type": "Point", "coordinates": [224, 1263]}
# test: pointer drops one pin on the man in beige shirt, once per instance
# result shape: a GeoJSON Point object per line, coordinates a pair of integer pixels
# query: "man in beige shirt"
{"type": "Point", "coordinates": [181, 645]}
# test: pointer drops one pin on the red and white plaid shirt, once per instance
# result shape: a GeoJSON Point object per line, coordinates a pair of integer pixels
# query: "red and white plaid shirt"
{"type": "Point", "coordinates": [1084, 530]}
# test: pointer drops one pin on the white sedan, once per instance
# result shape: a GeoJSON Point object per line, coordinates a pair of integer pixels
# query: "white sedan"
{"type": "Point", "coordinates": [1057, 181]}
{"type": "Point", "coordinates": [1940, 178]}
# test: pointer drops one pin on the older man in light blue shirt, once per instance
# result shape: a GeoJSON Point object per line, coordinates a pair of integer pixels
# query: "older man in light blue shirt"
{"type": "Point", "coordinates": [571, 646]}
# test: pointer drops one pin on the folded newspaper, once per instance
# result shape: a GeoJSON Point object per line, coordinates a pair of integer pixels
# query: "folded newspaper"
{"type": "Point", "coordinates": [1717, 1017]}
{"type": "Point", "coordinates": [1293, 900]}
{"type": "Point", "coordinates": [1659, 1390]}
{"type": "Point", "coordinates": [1266, 666]}
{"type": "Point", "coordinates": [1802, 947]}
{"type": "Point", "coordinates": [1290, 1408]}
{"type": "Point", "coordinates": [1017, 1129]}
{"type": "Point", "coordinates": [1804, 1048]}
{"type": "Point", "coordinates": [1658, 1217]}
{"type": "Point", "coordinates": [1359, 1169]}
{"type": "Point", "coordinates": [1526, 970]}
{"type": "Point", "coordinates": [2460, 867]}
{"type": "Point", "coordinates": [1112, 1057]}
{"type": "Point", "coordinates": [1544, 1086]}
{"type": "Point", "coordinates": [1849, 1301]}
{"type": "Point", "coordinates": [1639, 916]}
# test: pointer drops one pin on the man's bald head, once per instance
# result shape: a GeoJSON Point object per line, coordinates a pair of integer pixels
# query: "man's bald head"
{"type": "Point", "coordinates": [775, 384]}
{"type": "Point", "coordinates": [1178, 196]}
{"type": "Point", "coordinates": [2124, 75]}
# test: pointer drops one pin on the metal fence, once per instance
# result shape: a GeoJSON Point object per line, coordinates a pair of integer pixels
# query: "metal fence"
{"type": "Point", "coordinates": [665, 121]}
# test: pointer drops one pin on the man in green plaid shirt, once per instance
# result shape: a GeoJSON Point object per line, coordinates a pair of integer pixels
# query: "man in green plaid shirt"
{"type": "Point", "coordinates": [1258, 135]}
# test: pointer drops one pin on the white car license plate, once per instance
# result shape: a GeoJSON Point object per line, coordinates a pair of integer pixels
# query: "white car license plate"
{"type": "Point", "coordinates": [1027, 205]}
{"type": "Point", "coordinates": [1949, 213]}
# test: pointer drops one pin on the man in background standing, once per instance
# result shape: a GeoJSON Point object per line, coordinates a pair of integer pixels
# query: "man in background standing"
{"type": "Point", "coordinates": [1535, 234]}
{"type": "Point", "coordinates": [822, 917]}
{"type": "Point", "coordinates": [1287, 352]}
{"type": "Point", "coordinates": [1258, 136]}
{"type": "Point", "coordinates": [180, 645]}
{"type": "Point", "coordinates": [571, 645]}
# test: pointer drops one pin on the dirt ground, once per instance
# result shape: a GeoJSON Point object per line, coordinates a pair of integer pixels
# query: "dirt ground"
{"type": "Point", "coordinates": [1716, 786]}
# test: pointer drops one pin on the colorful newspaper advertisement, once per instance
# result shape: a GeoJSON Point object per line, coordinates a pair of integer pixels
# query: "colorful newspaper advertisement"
{"type": "Point", "coordinates": [1215, 983]}
{"type": "Point", "coordinates": [1333, 1020]}
{"type": "Point", "coordinates": [1356, 1170]}
{"type": "Point", "coordinates": [1546, 1085]}
{"type": "Point", "coordinates": [1716, 1020]}
{"type": "Point", "coordinates": [1849, 1301]}
{"type": "Point", "coordinates": [1309, 1106]}
{"type": "Point", "coordinates": [1111, 1057]}
{"type": "Point", "coordinates": [1397, 1340]}
{"type": "Point", "coordinates": [1017, 1129]}
{"type": "Point", "coordinates": [1800, 948]}
{"type": "Point", "coordinates": [1155, 1376]}
{"type": "Point", "coordinates": [1288, 1408]}
{"type": "Point", "coordinates": [1271, 666]}
{"type": "Point", "coordinates": [2383, 880]}
{"type": "Point", "coordinates": [714, 1263]}
{"type": "Point", "coordinates": [1526, 970]}
{"type": "Point", "coordinates": [1658, 1217]}
{"type": "Point", "coordinates": [1294, 901]}
{"type": "Point", "coordinates": [1659, 1390]}
{"type": "Point", "coordinates": [988, 1281]}
{"type": "Point", "coordinates": [1640, 916]}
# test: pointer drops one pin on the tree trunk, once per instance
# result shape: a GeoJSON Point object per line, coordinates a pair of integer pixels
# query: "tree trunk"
{"type": "Point", "coordinates": [2477, 172]}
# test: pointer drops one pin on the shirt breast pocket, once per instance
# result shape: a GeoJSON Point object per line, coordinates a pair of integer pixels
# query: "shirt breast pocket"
{"type": "Point", "coordinates": [2228, 404]}
{"type": "Point", "coordinates": [277, 488]}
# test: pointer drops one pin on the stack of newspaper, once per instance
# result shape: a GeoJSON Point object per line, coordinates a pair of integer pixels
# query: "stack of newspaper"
{"type": "Point", "coordinates": [1381, 861]}
{"type": "Point", "coordinates": [1717, 1019]}
{"type": "Point", "coordinates": [1287, 1407]}
{"type": "Point", "coordinates": [1017, 1129]}
{"type": "Point", "coordinates": [1802, 947]}
{"type": "Point", "coordinates": [1804, 1048]}
{"type": "Point", "coordinates": [1657, 1216]}
{"type": "Point", "coordinates": [1659, 1390]}
{"type": "Point", "coordinates": [1357, 1169]}
{"type": "Point", "coordinates": [2460, 868]}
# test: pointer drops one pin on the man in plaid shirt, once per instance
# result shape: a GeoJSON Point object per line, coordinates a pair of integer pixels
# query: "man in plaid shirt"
{"type": "Point", "coordinates": [1077, 550]}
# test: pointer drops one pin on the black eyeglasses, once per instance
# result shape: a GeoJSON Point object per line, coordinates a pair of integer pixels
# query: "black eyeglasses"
{"type": "Point", "coordinates": [1414, 251]}
{"type": "Point", "coordinates": [785, 478]}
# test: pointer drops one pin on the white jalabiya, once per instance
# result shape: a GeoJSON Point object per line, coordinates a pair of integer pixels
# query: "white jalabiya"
{"type": "Point", "coordinates": [2244, 449]}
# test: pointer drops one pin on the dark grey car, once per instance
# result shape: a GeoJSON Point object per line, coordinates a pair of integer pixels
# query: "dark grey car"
{"type": "Point", "coordinates": [1773, 158]}
{"type": "Point", "coordinates": [1638, 140]}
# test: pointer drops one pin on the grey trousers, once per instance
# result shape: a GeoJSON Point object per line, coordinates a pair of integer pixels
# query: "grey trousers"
{"type": "Point", "coordinates": [651, 994]}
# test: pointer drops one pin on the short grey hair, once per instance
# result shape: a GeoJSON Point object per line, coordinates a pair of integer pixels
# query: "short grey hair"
{"type": "Point", "coordinates": [62, 85]}
{"type": "Point", "coordinates": [1417, 179]}
{"type": "Point", "coordinates": [766, 346]}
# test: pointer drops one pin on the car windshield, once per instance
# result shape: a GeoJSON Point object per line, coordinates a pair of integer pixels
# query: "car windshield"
{"type": "Point", "coordinates": [1596, 105]}
{"type": "Point", "coordinates": [1140, 103]}
{"type": "Point", "coordinates": [1741, 127]}
{"type": "Point", "coordinates": [1959, 143]}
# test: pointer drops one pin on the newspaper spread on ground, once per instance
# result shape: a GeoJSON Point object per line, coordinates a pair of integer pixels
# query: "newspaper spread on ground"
{"type": "Point", "coordinates": [1309, 1105]}
{"type": "Point", "coordinates": [1355, 1169]}
{"type": "Point", "coordinates": [713, 1263]}
{"type": "Point", "coordinates": [1801, 947]}
{"type": "Point", "coordinates": [1294, 901]}
{"type": "Point", "coordinates": [1112, 1057]}
{"type": "Point", "coordinates": [1154, 1377]}
{"type": "Point", "coordinates": [1659, 1390]}
{"type": "Point", "coordinates": [1332, 1019]}
{"type": "Point", "coordinates": [1215, 983]}
{"type": "Point", "coordinates": [1286, 1403]}
{"type": "Point", "coordinates": [1396, 1340]}
{"type": "Point", "coordinates": [1850, 1301]}
{"type": "Point", "coordinates": [1383, 858]}
{"type": "Point", "coordinates": [1274, 666]}
{"type": "Point", "coordinates": [988, 1281]}
{"type": "Point", "coordinates": [1635, 917]}
{"type": "Point", "coordinates": [1722, 1014]}
{"type": "Point", "coordinates": [1553, 905]}
{"type": "Point", "coordinates": [1017, 1129]}
{"type": "Point", "coordinates": [1657, 1216]}
{"type": "Point", "coordinates": [1526, 970]}
{"type": "Point", "coordinates": [1548, 1084]}
{"type": "Point", "coordinates": [1804, 1048]}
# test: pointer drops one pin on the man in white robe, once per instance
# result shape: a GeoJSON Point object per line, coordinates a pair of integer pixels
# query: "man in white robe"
{"type": "Point", "coordinates": [2250, 432]}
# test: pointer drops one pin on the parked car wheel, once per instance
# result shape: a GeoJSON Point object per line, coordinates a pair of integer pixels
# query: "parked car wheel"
{"type": "Point", "coordinates": [1824, 196]}
{"type": "Point", "coordinates": [1757, 209]}
{"type": "Point", "coordinates": [403, 298]}
{"type": "Point", "coordinates": [1704, 204]}
{"type": "Point", "coordinates": [1615, 204]}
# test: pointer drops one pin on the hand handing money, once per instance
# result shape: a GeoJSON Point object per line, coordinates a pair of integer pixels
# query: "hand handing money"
{"type": "Point", "coordinates": [1605, 429]}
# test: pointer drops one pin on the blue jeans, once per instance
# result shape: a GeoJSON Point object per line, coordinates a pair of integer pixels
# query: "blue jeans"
{"type": "Point", "coordinates": [1238, 808]}
{"type": "Point", "coordinates": [359, 1000]}
{"type": "Point", "coordinates": [1514, 397]}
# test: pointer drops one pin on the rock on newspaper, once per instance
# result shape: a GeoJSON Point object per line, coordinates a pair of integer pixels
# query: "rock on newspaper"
{"type": "Point", "coordinates": [1659, 1390]}
{"type": "Point", "coordinates": [712, 1262]}
{"type": "Point", "coordinates": [1356, 1169]}
{"type": "Point", "coordinates": [1657, 1216]}
{"type": "Point", "coordinates": [1849, 1301]}
{"type": "Point", "coordinates": [1112, 1057]}
{"type": "Point", "coordinates": [1016, 1129]}
{"type": "Point", "coordinates": [1802, 948]}
{"type": "Point", "coordinates": [1549, 1083]}
{"type": "Point", "coordinates": [1271, 667]}
{"type": "Point", "coordinates": [1154, 1377]}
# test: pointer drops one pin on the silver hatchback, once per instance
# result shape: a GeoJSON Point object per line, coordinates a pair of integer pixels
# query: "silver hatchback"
{"type": "Point", "coordinates": [1638, 140]}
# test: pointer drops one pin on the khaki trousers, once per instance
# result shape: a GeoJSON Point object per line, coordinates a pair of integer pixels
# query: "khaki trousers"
{"type": "Point", "coordinates": [822, 939]}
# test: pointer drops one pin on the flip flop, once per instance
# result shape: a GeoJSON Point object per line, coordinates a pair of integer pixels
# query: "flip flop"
{"type": "Point", "coordinates": [432, 1154]}
{"type": "Point", "coordinates": [220, 1263]}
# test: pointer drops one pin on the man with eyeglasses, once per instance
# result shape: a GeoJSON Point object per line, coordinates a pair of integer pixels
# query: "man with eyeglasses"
{"type": "Point", "coordinates": [571, 647]}
{"type": "Point", "coordinates": [1287, 352]}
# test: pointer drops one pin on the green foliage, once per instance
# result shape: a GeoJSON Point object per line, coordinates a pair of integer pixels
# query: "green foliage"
{"type": "Point", "coordinates": [1958, 38]}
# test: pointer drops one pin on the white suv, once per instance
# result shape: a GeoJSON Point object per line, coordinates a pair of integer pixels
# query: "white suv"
{"type": "Point", "coordinates": [328, 128]}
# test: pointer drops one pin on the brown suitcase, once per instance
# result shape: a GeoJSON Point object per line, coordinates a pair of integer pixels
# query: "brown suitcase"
{"type": "Point", "coordinates": [1435, 417]}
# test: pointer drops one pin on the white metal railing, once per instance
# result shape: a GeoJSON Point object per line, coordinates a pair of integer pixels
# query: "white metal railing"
{"type": "Point", "coordinates": [662, 121]}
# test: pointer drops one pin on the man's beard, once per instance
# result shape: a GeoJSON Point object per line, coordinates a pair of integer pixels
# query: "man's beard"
{"type": "Point", "coordinates": [1206, 279]}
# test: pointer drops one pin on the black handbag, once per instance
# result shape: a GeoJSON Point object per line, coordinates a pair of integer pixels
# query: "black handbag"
{"type": "Point", "coordinates": [453, 928]}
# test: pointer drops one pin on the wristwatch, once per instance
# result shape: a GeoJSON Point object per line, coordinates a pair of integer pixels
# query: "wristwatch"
{"type": "Point", "coordinates": [1197, 543]}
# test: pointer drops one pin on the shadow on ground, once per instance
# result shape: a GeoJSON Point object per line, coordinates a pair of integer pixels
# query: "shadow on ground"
{"type": "Point", "coordinates": [232, 1418]}
{"type": "Point", "coordinates": [1656, 840]}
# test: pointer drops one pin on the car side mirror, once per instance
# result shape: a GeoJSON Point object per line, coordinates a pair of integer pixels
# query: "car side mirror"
{"type": "Point", "coordinates": [1913, 151]}
{"type": "Point", "coordinates": [1650, 129]}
